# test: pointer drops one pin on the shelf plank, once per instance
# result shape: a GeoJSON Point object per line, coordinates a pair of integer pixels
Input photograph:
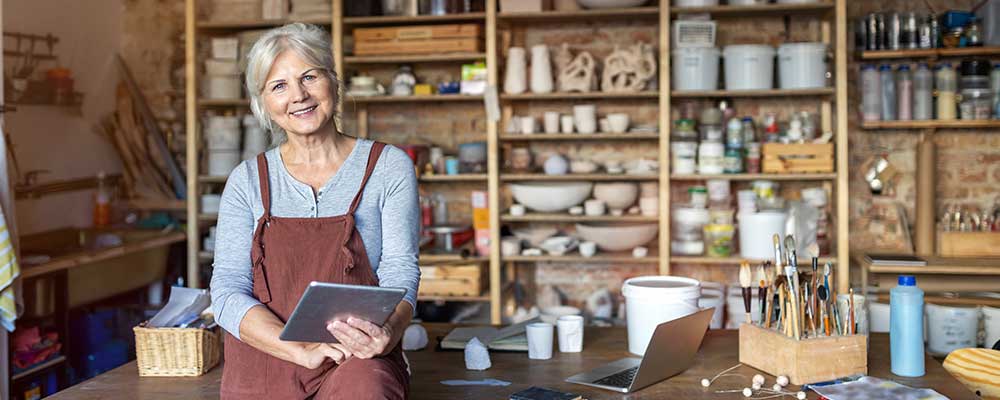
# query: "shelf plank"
{"type": "Point", "coordinates": [577, 177]}
{"type": "Point", "coordinates": [704, 260]}
{"type": "Point", "coordinates": [223, 102]}
{"type": "Point", "coordinates": [930, 53]}
{"type": "Point", "coordinates": [258, 23]}
{"type": "Point", "coordinates": [85, 257]}
{"type": "Point", "coordinates": [940, 266]}
{"type": "Point", "coordinates": [580, 96]}
{"type": "Point", "coordinates": [563, 217]}
{"type": "Point", "coordinates": [212, 179]}
{"type": "Point", "coordinates": [575, 257]}
{"type": "Point", "coordinates": [420, 19]}
{"type": "Point", "coordinates": [470, 299]}
{"type": "Point", "coordinates": [408, 99]}
{"type": "Point", "coordinates": [750, 177]}
{"type": "Point", "coordinates": [933, 124]}
{"type": "Point", "coordinates": [453, 178]}
{"type": "Point", "coordinates": [578, 136]}
{"type": "Point", "coordinates": [610, 14]}
{"type": "Point", "coordinates": [38, 368]}
{"type": "Point", "coordinates": [208, 217]}
{"type": "Point", "coordinates": [448, 258]}
{"type": "Point", "coordinates": [417, 58]}
{"type": "Point", "coordinates": [755, 9]}
{"type": "Point", "coordinates": [692, 94]}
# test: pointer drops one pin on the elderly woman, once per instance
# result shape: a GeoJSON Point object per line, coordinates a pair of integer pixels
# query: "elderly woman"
{"type": "Point", "coordinates": [321, 206]}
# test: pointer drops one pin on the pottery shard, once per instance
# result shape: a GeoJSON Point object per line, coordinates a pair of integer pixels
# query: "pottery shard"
{"type": "Point", "coordinates": [579, 75]}
{"type": "Point", "coordinates": [629, 69]}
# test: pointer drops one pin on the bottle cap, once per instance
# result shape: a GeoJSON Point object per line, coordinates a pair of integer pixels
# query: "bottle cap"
{"type": "Point", "coordinates": [885, 67]}
{"type": "Point", "coordinates": [904, 67]}
{"type": "Point", "coordinates": [907, 280]}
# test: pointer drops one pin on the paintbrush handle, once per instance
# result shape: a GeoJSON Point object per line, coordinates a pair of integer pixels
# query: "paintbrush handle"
{"type": "Point", "coordinates": [770, 307]}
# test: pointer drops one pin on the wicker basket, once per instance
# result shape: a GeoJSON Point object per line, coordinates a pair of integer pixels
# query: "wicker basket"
{"type": "Point", "coordinates": [176, 351]}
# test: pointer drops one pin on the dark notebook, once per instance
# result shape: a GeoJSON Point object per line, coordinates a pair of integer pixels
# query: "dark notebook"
{"type": "Point", "coordinates": [537, 393]}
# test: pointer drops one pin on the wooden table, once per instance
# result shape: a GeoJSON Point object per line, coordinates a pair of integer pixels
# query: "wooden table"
{"type": "Point", "coordinates": [601, 345]}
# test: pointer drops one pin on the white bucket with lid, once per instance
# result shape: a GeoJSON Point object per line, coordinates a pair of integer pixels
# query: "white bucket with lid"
{"type": "Point", "coordinates": [695, 68]}
{"type": "Point", "coordinates": [951, 328]}
{"type": "Point", "coordinates": [653, 300]}
{"type": "Point", "coordinates": [749, 66]}
{"type": "Point", "coordinates": [802, 65]}
{"type": "Point", "coordinates": [757, 231]}
{"type": "Point", "coordinates": [713, 299]}
{"type": "Point", "coordinates": [991, 324]}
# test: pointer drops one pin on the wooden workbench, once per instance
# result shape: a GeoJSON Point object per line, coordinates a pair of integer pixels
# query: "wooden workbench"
{"type": "Point", "coordinates": [718, 352]}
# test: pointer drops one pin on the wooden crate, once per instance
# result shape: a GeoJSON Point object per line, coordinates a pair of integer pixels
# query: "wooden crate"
{"type": "Point", "coordinates": [803, 361]}
{"type": "Point", "coordinates": [797, 158]}
{"type": "Point", "coordinates": [968, 244]}
{"type": "Point", "coordinates": [420, 39]}
{"type": "Point", "coordinates": [452, 280]}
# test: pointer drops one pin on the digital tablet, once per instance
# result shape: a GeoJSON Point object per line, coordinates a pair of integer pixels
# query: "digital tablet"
{"type": "Point", "coordinates": [323, 303]}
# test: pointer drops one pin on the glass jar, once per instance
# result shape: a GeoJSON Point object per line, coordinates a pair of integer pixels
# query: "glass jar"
{"type": "Point", "coordinates": [974, 33]}
{"type": "Point", "coordinates": [718, 240]}
{"type": "Point", "coordinates": [976, 104]}
{"type": "Point", "coordinates": [684, 131]}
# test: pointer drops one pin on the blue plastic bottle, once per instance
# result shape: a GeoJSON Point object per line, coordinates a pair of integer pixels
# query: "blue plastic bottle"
{"type": "Point", "coordinates": [906, 328]}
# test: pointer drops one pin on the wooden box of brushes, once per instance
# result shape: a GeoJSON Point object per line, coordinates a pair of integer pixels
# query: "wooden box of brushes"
{"type": "Point", "coordinates": [808, 360]}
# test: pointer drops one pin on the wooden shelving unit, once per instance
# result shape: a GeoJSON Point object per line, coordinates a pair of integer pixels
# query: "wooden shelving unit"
{"type": "Point", "coordinates": [255, 24]}
{"type": "Point", "coordinates": [933, 124]}
{"type": "Point", "coordinates": [568, 218]}
{"type": "Point", "coordinates": [404, 59]}
{"type": "Point", "coordinates": [930, 53]}
{"type": "Point", "coordinates": [577, 177]}
{"type": "Point", "coordinates": [454, 178]}
{"type": "Point", "coordinates": [411, 99]}
{"type": "Point", "coordinates": [753, 177]}
{"type": "Point", "coordinates": [578, 136]}
{"type": "Point", "coordinates": [596, 15]}
{"type": "Point", "coordinates": [757, 10]}
{"type": "Point", "coordinates": [708, 94]}
{"type": "Point", "coordinates": [579, 96]}
{"type": "Point", "coordinates": [421, 19]}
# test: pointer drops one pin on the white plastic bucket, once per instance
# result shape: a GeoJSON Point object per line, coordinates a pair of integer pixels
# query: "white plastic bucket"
{"type": "Point", "coordinates": [223, 133]}
{"type": "Point", "coordinates": [222, 162]}
{"type": "Point", "coordinates": [802, 65]}
{"type": "Point", "coordinates": [713, 299]}
{"type": "Point", "coordinates": [991, 324]}
{"type": "Point", "coordinates": [695, 68]}
{"type": "Point", "coordinates": [223, 87]}
{"type": "Point", "coordinates": [695, 3]}
{"type": "Point", "coordinates": [653, 300]}
{"type": "Point", "coordinates": [757, 231]}
{"type": "Point", "coordinates": [878, 317]}
{"type": "Point", "coordinates": [951, 328]}
{"type": "Point", "coordinates": [749, 67]}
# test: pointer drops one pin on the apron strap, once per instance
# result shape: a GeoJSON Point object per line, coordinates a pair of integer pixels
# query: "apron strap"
{"type": "Point", "coordinates": [265, 187]}
{"type": "Point", "coordinates": [373, 156]}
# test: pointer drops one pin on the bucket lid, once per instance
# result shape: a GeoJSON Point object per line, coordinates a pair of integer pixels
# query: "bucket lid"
{"type": "Point", "coordinates": [807, 46]}
{"type": "Point", "coordinates": [741, 48]}
{"type": "Point", "coordinates": [661, 286]}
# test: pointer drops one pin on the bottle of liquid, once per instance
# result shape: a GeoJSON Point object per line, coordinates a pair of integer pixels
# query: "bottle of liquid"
{"type": "Point", "coordinates": [906, 328]}
{"type": "Point", "coordinates": [904, 91]}
{"type": "Point", "coordinates": [995, 88]}
{"type": "Point", "coordinates": [946, 82]}
{"type": "Point", "coordinates": [871, 94]}
{"type": "Point", "coordinates": [102, 202]}
{"type": "Point", "coordinates": [923, 93]}
{"type": "Point", "coordinates": [888, 81]}
{"type": "Point", "coordinates": [748, 130]}
{"type": "Point", "coordinates": [734, 135]}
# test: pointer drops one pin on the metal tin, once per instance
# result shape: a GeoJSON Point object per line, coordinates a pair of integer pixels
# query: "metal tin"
{"type": "Point", "coordinates": [894, 27]}
{"type": "Point", "coordinates": [926, 40]}
{"type": "Point", "coordinates": [908, 34]}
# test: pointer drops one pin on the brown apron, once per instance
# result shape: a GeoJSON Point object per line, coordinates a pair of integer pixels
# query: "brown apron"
{"type": "Point", "coordinates": [288, 254]}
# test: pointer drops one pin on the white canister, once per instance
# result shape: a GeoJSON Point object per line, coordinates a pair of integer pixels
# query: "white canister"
{"type": "Point", "coordinates": [222, 162]}
{"type": "Point", "coordinates": [541, 69]}
{"type": "Point", "coordinates": [223, 87]}
{"type": "Point", "coordinates": [653, 300]}
{"type": "Point", "coordinates": [713, 300]}
{"type": "Point", "coordinates": [718, 190]}
{"type": "Point", "coordinates": [991, 324]}
{"type": "Point", "coordinates": [684, 157]}
{"type": "Point", "coordinates": [695, 68]}
{"type": "Point", "coordinates": [585, 118]}
{"type": "Point", "coordinates": [210, 203]}
{"type": "Point", "coordinates": [710, 155]}
{"type": "Point", "coordinates": [951, 328]}
{"type": "Point", "coordinates": [222, 132]}
{"type": "Point", "coordinates": [757, 231]}
{"type": "Point", "coordinates": [221, 66]}
{"type": "Point", "coordinates": [551, 122]}
{"type": "Point", "coordinates": [516, 77]}
{"type": "Point", "coordinates": [749, 67]}
{"type": "Point", "coordinates": [878, 317]}
{"type": "Point", "coordinates": [566, 123]}
{"type": "Point", "coordinates": [802, 65]}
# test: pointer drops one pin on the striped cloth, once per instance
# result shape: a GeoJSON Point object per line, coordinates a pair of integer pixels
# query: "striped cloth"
{"type": "Point", "coordinates": [9, 271]}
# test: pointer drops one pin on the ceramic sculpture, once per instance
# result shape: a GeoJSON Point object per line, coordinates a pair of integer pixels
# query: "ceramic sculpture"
{"type": "Point", "coordinates": [629, 69]}
{"type": "Point", "coordinates": [515, 81]}
{"type": "Point", "coordinates": [578, 75]}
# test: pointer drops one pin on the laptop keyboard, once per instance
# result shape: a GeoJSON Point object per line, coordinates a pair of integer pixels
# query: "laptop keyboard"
{"type": "Point", "coordinates": [621, 379]}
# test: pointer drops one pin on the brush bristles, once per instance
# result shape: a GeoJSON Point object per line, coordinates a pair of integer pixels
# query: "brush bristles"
{"type": "Point", "coordinates": [745, 275]}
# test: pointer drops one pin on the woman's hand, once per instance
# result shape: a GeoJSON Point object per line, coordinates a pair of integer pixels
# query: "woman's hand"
{"type": "Point", "coordinates": [312, 355]}
{"type": "Point", "coordinates": [361, 338]}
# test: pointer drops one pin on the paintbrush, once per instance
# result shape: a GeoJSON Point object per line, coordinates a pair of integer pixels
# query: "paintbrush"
{"type": "Point", "coordinates": [792, 272]}
{"type": "Point", "coordinates": [745, 281]}
{"type": "Point", "coordinates": [850, 300]}
{"type": "Point", "coordinates": [762, 278]}
{"type": "Point", "coordinates": [822, 294]}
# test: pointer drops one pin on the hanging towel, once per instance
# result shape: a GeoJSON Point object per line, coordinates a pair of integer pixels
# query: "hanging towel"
{"type": "Point", "coordinates": [9, 271]}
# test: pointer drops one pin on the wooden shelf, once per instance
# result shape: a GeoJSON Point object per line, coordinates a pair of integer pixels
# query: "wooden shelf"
{"type": "Point", "coordinates": [420, 19]}
{"type": "Point", "coordinates": [692, 94]}
{"type": "Point", "coordinates": [609, 14]}
{"type": "Point", "coordinates": [257, 23]}
{"type": "Point", "coordinates": [755, 10]}
{"type": "Point", "coordinates": [453, 178]}
{"type": "Point", "coordinates": [577, 177]}
{"type": "Point", "coordinates": [86, 257]}
{"type": "Point", "coordinates": [563, 217]}
{"type": "Point", "coordinates": [419, 58]}
{"type": "Point", "coordinates": [962, 300]}
{"type": "Point", "coordinates": [212, 179]}
{"type": "Point", "coordinates": [751, 177]}
{"type": "Point", "coordinates": [576, 258]}
{"type": "Point", "coordinates": [933, 124]}
{"type": "Point", "coordinates": [223, 102]}
{"type": "Point", "coordinates": [475, 299]}
{"type": "Point", "coordinates": [408, 99]}
{"type": "Point", "coordinates": [208, 217]}
{"type": "Point", "coordinates": [940, 266]}
{"type": "Point", "coordinates": [930, 53]}
{"type": "Point", "coordinates": [803, 261]}
{"type": "Point", "coordinates": [578, 136]}
{"type": "Point", "coordinates": [38, 368]}
{"type": "Point", "coordinates": [447, 258]}
{"type": "Point", "coordinates": [580, 96]}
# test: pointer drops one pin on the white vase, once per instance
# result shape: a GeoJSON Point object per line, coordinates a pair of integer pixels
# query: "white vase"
{"type": "Point", "coordinates": [515, 81]}
{"type": "Point", "coordinates": [541, 69]}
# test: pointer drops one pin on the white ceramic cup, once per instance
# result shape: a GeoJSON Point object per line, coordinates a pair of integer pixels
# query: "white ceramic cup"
{"type": "Point", "coordinates": [594, 207]}
{"type": "Point", "coordinates": [517, 210]}
{"type": "Point", "coordinates": [585, 118]}
{"type": "Point", "coordinates": [649, 206]}
{"type": "Point", "coordinates": [540, 335]}
{"type": "Point", "coordinates": [588, 249]}
{"type": "Point", "coordinates": [604, 124]}
{"type": "Point", "coordinates": [570, 333]}
{"type": "Point", "coordinates": [527, 125]}
{"type": "Point", "coordinates": [576, 210]}
{"type": "Point", "coordinates": [566, 124]}
{"type": "Point", "coordinates": [510, 246]}
{"type": "Point", "coordinates": [618, 122]}
{"type": "Point", "coordinates": [551, 124]}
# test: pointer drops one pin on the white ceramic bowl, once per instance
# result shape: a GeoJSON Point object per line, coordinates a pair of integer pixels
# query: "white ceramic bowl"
{"type": "Point", "coordinates": [551, 196]}
{"type": "Point", "coordinates": [617, 237]}
{"type": "Point", "coordinates": [610, 3]}
{"type": "Point", "coordinates": [617, 195]}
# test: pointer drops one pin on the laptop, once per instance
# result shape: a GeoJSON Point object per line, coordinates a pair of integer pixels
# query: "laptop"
{"type": "Point", "coordinates": [671, 349]}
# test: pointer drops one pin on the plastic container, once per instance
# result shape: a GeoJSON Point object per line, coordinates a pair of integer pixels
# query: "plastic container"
{"type": "Point", "coordinates": [695, 3]}
{"type": "Point", "coordinates": [991, 25]}
{"type": "Point", "coordinates": [802, 65]}
{"type": "Point", "coordinates": [719, 240]}
{"type": "Point", "coordinates": [946, 83]}
{"type": "Point", "coordinates": [687, 222]}
{"type": "Point", "coordinates": [995, 82]}
{"type": "Point", "coordinates": [653, 300]}
{"type": "Point", "coordinates": [223, 87]}
{"type": "Point", "coordinates": [951, 328]}
{"type": "Point", "coordinates": [684, 155]}
{"type": "Point", "coordinates": [756, 232]}
{"type": "Point", "coordinates": [904, 93]}
{"type": "Point", "coordinates": [222, 162]}
{"type": "Point", "coordinates": [878, 315]}
{"type": "Point", "coordinates": [695, 68]}
{"type": "Point", "coordinates": [991, 324]}
{"type": "Point", "coordinates": [906, 328]}
{"type": "Point", "coordinates": [923, 89]}
{"type": "Point", "coordinates": [871, 94]}
{"type": "Point", "coordinates": [977, 104]}
{"type": "Point", "coordinates": [887, 81]}
{"type": "Point", "coordinates": [222, 133]}
{"type": "Point", "coordinates": [710, 157]}
{"type": "Point", "coordinates": [749, 67]}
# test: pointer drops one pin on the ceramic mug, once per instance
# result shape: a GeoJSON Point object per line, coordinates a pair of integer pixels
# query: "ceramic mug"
{"type": "Point", "coordinates": [594, 207]}
{"type": "Point", "coordinates": [510, 246]}
{"type": "Point", "coordinates": [517, 210]}
{"type": "Point", "coordinates": [527, 125]}
{"type": "Point", "coordinates": [551, 124]}
{"type": "Point", "coordinates": [604, 124]}
{"type": "Point", "coordinates": [585, 118]}
{"type": "Point", "coordinates": [588, 249]}
{"type": "Point", "coordinates": [566, 123]}
{"type": "Point", "coordinates": [618, 122]}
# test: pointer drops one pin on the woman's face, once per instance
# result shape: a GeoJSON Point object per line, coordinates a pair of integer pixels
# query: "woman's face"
{"type": "Point", "coordinates": [298, 97]}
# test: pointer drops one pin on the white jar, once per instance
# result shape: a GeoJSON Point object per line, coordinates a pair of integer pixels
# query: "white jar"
{"type": "Point", "coordinates": [710, 157]}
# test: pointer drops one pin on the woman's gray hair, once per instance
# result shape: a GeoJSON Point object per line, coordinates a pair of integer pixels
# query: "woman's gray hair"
{"type": "Point", "coordinates": [311, 43]}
